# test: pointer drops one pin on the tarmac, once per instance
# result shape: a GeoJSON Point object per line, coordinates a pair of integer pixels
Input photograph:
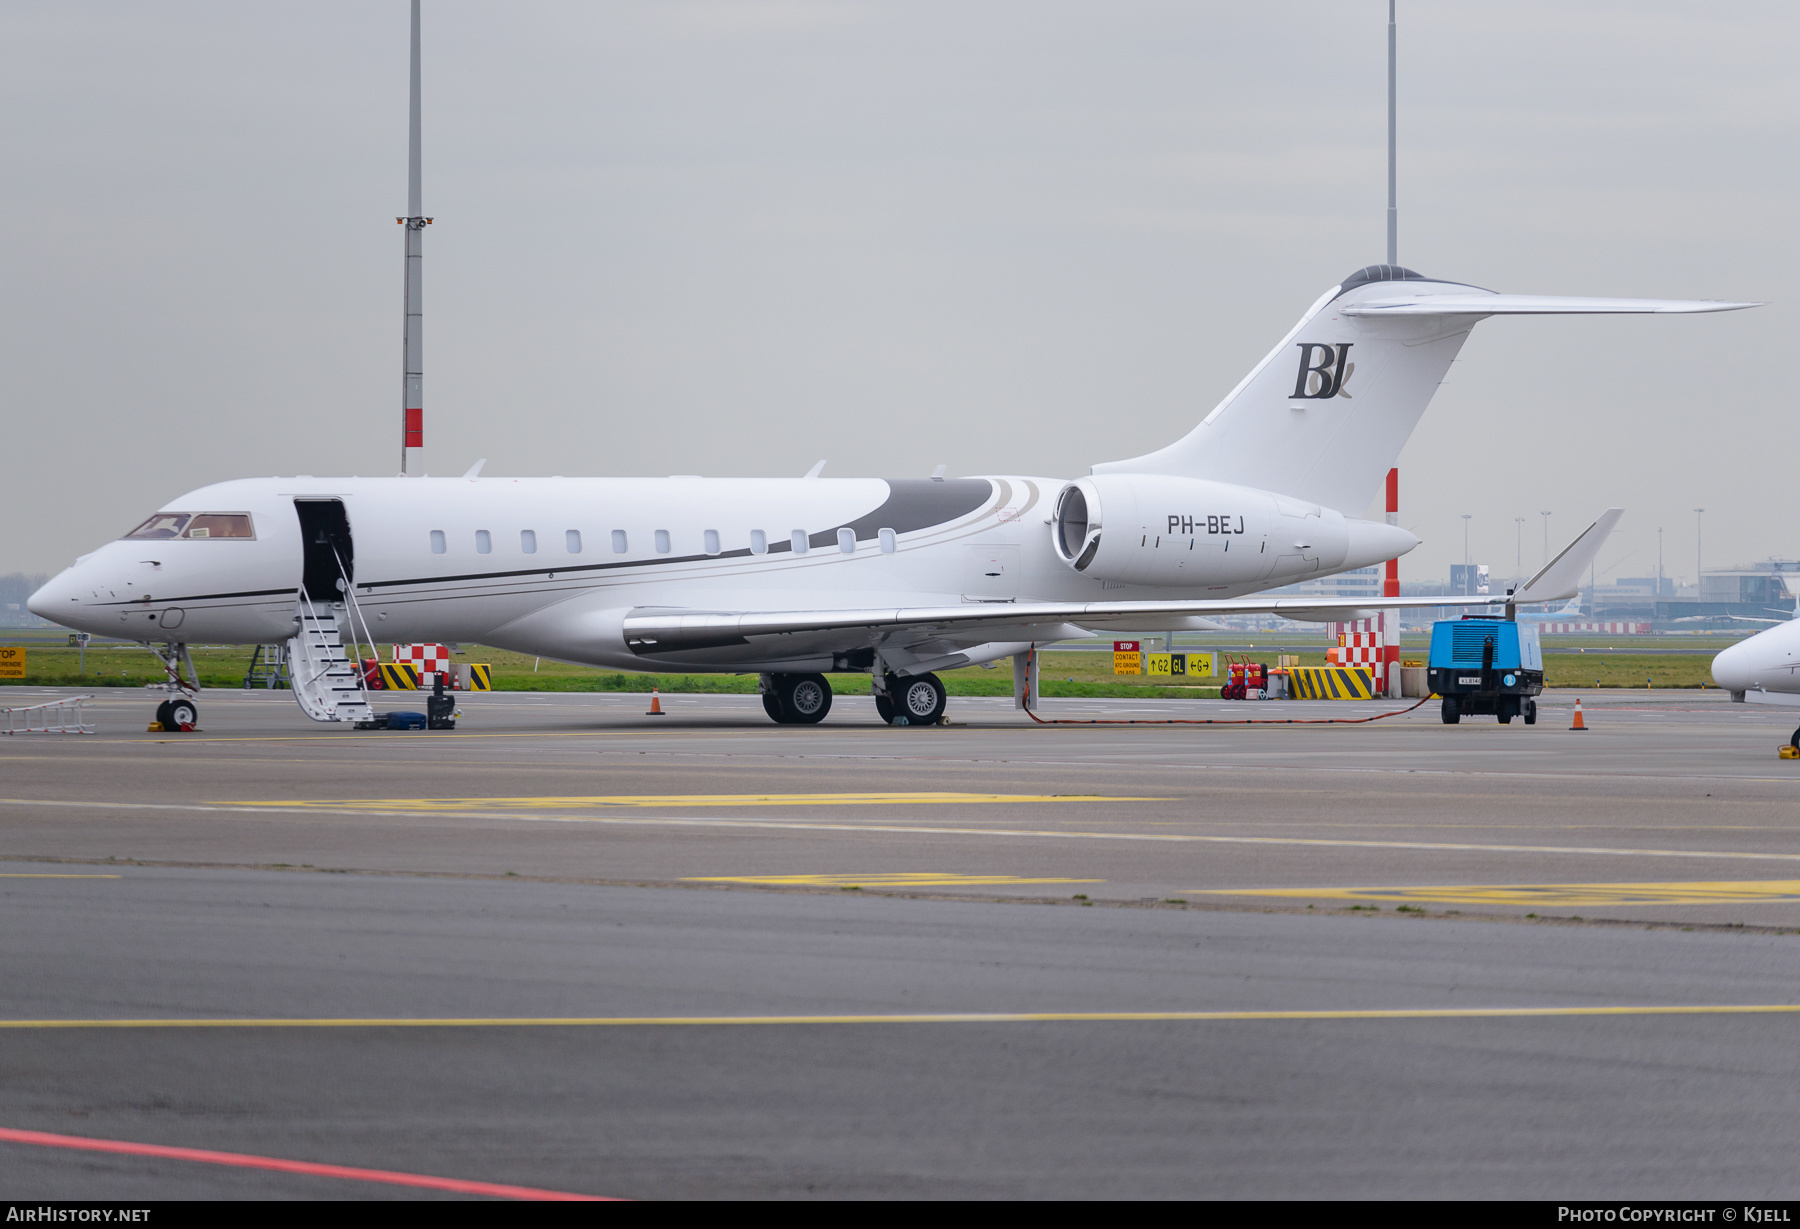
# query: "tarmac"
{"type": "Point", "coordinates": [573, 947]}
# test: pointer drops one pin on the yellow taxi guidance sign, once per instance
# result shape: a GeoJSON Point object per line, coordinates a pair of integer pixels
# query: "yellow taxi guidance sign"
{"type": "Point", "coordinates": [1128, 658]}
{"type": "Point", "coordinates": [1174, 665]}
{"type": "Point", "coordinates": [12, 662]}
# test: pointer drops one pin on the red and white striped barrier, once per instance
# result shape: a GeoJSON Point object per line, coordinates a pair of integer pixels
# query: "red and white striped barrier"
{"type": "Point", "coordinates": [1374, 645]}
{"type": "Point", "coordinates": [428, 660]}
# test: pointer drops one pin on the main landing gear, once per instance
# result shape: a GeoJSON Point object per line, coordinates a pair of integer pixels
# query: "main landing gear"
{"type": "Point", "coordinates": [179, 715]}
{"type": "Point", "coordinates": [918, 700]}
{"type": "Point", "coordinates": [804, 699]}
{"type": "Point", "coordinates": [796, 699]}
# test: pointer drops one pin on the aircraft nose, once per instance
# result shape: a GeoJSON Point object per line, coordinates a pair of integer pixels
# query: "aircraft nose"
{"type": "Point", "coordinates": [53, 599]}
{"type": "Point", "coordinates": [65, 600]}
{"type": "Point", "coordinates": [1734, 668]}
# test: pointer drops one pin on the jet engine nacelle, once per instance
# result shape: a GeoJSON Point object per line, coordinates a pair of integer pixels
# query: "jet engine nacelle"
{"type": "Point", "coordinates": [1163, 530]}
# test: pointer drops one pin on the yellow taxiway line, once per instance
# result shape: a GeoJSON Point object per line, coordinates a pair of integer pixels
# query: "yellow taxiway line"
{"type": "Point", "coordinates": [1022, 1017]}
{"type": "Point", "coordinates": [887, 879]}
{"type": "Point", "coordinates": [1561, 895]}
{"type": "Point", "coordinates": [909, 798]}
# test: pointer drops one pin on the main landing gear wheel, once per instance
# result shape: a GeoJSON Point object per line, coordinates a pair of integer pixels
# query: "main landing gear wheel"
{"type": "Point", "coordinates": [797, 699]}
{"type": "Point", "coordinates": [914, 701]}
{"type": "Point", "coordinates": [1452, 711]}
{"type": "Point", "coordinates": [804, 698]}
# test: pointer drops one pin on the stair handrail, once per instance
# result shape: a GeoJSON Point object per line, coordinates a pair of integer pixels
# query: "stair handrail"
{"type": "Point", "coordinates": [356, 616]}
{"type": "Point", "coordinates": [313, 674]}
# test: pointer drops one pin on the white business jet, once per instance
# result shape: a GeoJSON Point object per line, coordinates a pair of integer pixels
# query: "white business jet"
{"type": "Point", "coordinates": [1765, 669]}
{"type": "Point", "coordinates": [792, 578]}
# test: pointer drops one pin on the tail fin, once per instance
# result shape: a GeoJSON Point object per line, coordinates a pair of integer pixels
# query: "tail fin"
{"type": "Point", "coordinates": [1325, 415]}
{"type": "Point", "coordinates": [1561, 577]}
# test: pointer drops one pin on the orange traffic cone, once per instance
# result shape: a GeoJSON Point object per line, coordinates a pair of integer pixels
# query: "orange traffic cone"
{"type": "Point", "coordinates": [1579, 723]}
{"type": "Point", "coordinates": [655, 704]}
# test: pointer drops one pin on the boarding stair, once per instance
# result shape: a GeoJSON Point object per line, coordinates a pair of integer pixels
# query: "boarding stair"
{"type": "Point", "coordinates": [326, 682]}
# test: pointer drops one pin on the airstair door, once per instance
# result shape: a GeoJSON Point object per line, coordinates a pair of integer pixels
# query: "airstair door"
{"type": "Point", "coordinates": [325, 535]}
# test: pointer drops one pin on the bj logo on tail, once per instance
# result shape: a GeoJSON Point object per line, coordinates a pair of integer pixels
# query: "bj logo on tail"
{"type": "Point", "coordinates": [1323, 370]}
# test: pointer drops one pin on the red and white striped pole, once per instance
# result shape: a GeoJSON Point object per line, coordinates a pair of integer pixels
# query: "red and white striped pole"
{"type": "Point", "coordinates": [1390, 641]}
{"type": "Point", "coordinates": [412, 365]}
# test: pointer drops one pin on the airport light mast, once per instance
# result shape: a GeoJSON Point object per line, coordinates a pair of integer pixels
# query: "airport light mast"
{"type": "Point", "coordinates": [1393, 216]}
{"type": "Point", "coordinates": [412, 365]}
{"type": "Point", "coordinates": [1699, 587]}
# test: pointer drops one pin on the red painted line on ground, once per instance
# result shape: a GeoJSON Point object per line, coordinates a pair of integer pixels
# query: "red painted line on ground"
{"type": "Point", "coordinates": [312, 1168]}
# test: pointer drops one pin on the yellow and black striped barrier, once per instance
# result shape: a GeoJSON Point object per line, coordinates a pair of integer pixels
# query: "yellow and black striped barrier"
{"type": "Point", "coordinates": [399, 676]}
{"type": "Point", "coordinates": [1329, 683]}
{"type": "Point", "coordinates": [481, 677]}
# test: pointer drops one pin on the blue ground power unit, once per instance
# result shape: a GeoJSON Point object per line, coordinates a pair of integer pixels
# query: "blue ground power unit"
{"type": "Point", "coordinates": [1486, 665]}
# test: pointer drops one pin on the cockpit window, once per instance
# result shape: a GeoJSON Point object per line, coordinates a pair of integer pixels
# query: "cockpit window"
{"type": "Point", "coordinates": [220, 525]}
{"type": "Point", "coordinates": [196, 526]}
{"type": "Point", "coordinates": [163, 525]}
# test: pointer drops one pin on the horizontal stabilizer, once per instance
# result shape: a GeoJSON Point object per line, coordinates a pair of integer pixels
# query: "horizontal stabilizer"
{"type": "Point", "coordinates": [1483, 304]}
{"type": "Point", "coordinates": [1561, 577]}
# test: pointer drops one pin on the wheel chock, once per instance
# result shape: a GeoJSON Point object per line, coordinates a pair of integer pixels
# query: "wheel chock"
{"type": "Point", "coordinates": [1788, 751]}
{"type": "Point", "coordinates": [155, 727]}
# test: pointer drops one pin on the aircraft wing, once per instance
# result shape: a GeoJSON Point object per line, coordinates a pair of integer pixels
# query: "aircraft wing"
{"type": "Point", "coordinates": [652, 631]}
{"type": "Point", "coordinates": [1481, 304]}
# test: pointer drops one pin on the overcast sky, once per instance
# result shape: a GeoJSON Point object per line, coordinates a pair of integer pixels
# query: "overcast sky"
{"type": "Point", "coordinates": [735, 237]}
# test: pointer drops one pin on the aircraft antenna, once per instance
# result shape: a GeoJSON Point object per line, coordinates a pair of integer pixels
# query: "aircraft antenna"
{"type": "Point", "coordinates": [1393, 218]}
{"type": "Point", "coordinates": [412, 374]}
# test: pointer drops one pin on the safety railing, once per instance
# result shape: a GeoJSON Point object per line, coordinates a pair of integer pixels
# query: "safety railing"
{"type": "Point", "coordinates": [66, 716]}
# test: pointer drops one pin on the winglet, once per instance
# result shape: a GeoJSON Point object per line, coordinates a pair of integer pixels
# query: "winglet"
{"type": "Point", "coordinates": [1561, 577]}
{"type": "Point", "coordinates": [816, 470]}
{"type": "Point", "coordinates": [475, 469]}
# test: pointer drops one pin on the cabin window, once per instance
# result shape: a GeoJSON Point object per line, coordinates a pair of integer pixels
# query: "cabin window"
{"type": "Point", "coordinates": [798, 538]}
{"type": "Point", "coordinates": [572, 541]}
{"type": "Point", "coordinates": [438, 545]}
{"type": "Point", "coordinates": [484, 544]}
{"type": "Point", "coordinates": [847, 541]}
{"type": "Point", "coordinates": [528, 541]}
{"type": "Point", "coordinates": [887, 541]}
{"type": "Point", "coordinates": [759, 542]}
{"type": "Point", "coordinates": [620, 545]}
{"type": "Point", "coordinates": [711, 538]}
{"type": "Point", "coordinates": [662, 541]}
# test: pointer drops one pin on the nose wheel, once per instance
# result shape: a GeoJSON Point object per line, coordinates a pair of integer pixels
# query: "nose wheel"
{"type": "Point", "coordinates": [179, 715]}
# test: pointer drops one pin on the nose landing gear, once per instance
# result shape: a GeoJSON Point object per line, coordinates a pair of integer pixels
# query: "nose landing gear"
{"type": "Point", "coordinates": [179, 715]}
